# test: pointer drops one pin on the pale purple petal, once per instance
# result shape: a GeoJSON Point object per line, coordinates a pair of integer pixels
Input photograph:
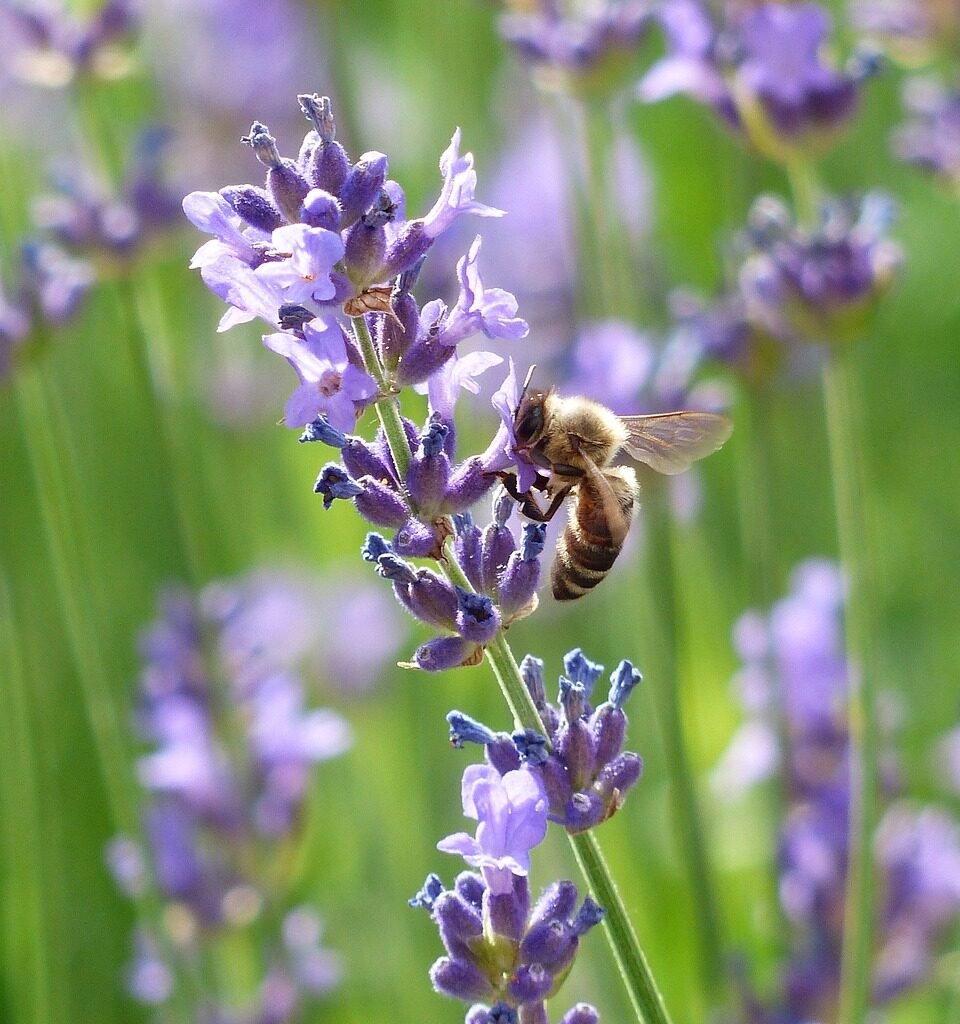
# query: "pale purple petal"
{"type": "Point", "coordinates": [444, 386]}
{"type": "Point", "coordinates": [456, 195]}
{"type": "Point", "coordinates": [460, 842]}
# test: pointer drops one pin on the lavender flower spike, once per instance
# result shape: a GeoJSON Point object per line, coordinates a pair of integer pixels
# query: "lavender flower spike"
{"type": "Point", "coordinates": [512, 814]}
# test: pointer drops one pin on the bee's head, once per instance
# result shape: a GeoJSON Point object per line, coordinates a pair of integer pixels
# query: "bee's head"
{"type": "Point", "coordinates": [529, 418]}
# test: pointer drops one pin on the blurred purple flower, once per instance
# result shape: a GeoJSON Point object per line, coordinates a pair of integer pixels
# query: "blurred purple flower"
{"type": "Point", "coordinates": [511, 812]}
{"type": "Point", "coordinates": [762, 70]}
{"type": "Point", "coordinates": [930, 138]}
{"type": "Point", "coordinates": [794, 665]}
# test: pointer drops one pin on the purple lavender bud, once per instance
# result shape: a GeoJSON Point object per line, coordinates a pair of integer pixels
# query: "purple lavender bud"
{"type": "Point", "coordinates": [477, 617]}
{"type": "Point", "coordinates": [422, 359]}
{"type": "Point", "coordinates": [427, 894]}
{"type": "Point", "coordinates": [460, 980]}
{"type": "Point", "coordinates": [362, 461]}
{"type": "Point", "coordinates": [531, 672]}
{"type": "Point", "coordinates": [429, 471]}
{"type": "Point", "coordinates": [556, 783]}
{"type": "Point", "coordinates": [445, 652]}
{"type": "Point", "coordinates": [364, 247]}
{"type": "Point", "coordinates": [334, 483]}
{"type": "Point", "coordinates": [479, 1013]}
{"type": "Point", "coordinates": [588, 916]}
{"type": "Point", "coordinates": [467, 549]}
{"type": "Point", "coordinates": [287, 188]}
{"type": "Point", "coordinates": [321, 210]}
{"type": "Point", "coordinates": [469, 482]}
{"type": "Point", "coordinates": [573, 700]}
{"type": "Point", "coordinates": [373, 547]}
{"type": "Point", "coordinates": [464, 729]}
{"type": "Point", "coordinates": [471, 887]}
{"type": "Point", "coordinates": [380, 504]}
{"type": "Point", "coordinates": [531, 983]}
{"type": "Point", "coordinates": [531, 746]}
{"type": "Point", "coordinates": [582, 1013]}
{"type": "Point", "coordinates": [254, 206]}
{"type": "Point", "coordinates": [502, 754]}
{"type": "Point", "coordinates": [617, 777]}
{"type": "Point", "coordinates": [583, 811]}
{"type": "Point", "coordinates": [330, 163]}
{"type": "Point", "coordinates": [579, 669]}
{"type": "Point", "coordinates": [508, 911]}
{"type": "Point", "coordinates": [624, 679]}
{"type": "Point", "coordinates": [499, 1013]}
{"type": "Point", "coordinates": [434, 600]}
{"type": "Point", "coordinates": [362, 186]}
{"type": "Point", "coordinates": [557, 903]}
{"type": "Point", "coordinates": [576, 749]}
{"type": "Point", "coordinates": [417, 540]}
{"type": "Point", "coordinates": [520, 579]}
{"type": "Point", "coordinates": [498, 545]}
{"type": "Point", "coordinates": [397, 335]}
{"type": "Point", "coordinates": [408, 249]}
{"type": "Point", "coordinates": [460, 925]}
{"type": "Point", "coordinates": [609, 726]}
{"type": "Point", "coordinates": [549, 943]}
{"type": "Point", "coordinates": [320, 430]}
{"type": "Point", "coordinates": [392, 567]}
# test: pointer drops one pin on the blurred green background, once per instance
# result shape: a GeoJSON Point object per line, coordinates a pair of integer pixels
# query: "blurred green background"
{"type": "Point", "coordinates": [107, 494]}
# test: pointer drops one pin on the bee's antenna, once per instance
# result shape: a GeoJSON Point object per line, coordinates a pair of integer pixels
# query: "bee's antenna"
{"type": "Point", "coordinates": [526, 384]}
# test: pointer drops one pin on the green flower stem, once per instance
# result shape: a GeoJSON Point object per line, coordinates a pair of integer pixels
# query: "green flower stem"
{"type": "Point", "coordinates": [386, 406]}
{"type": "Point", "coordinates": [802, 176]}
{"type": "Point", "coordinates": [144, 345]}
{"type": "Point", "coordinates": [845, 433]}
{"type": "Point", "coordinates": [36, 988]}
{"type": "Point", "coordinates": [613, 287]}
{"type": "Point", "coordinates": [663, 631]}
{"type": "Point", "coordinates": [55, 483]}
{"type": "Point", "coordinates": [754, 486]}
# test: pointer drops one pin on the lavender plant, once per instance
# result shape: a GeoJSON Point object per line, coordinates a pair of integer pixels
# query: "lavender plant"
{"type": "Point", "coordinates": [325, 254]}
{"type": "Point", "coordinates": [794, 662]}
{"type": "Point", "coordinates": [505, 956]}
{"type": "Point", "coordinates": [232, 750]}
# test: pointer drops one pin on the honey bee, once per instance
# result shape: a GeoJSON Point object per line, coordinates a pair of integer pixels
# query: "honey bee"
{"type": "Point", "coordinates": [575, 440]}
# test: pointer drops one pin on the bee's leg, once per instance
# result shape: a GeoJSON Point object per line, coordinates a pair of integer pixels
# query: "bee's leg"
{"type": "Point", "coordinates": [532, 510]}
{"type": "Point", "coordinates": [509, 481]}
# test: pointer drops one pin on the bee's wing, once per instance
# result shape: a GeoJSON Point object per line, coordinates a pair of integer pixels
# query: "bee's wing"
{"type": "Point", "coordinates": [672, 441]}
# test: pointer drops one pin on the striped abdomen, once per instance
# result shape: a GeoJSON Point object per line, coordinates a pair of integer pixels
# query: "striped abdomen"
{"type": "Point", "coordinates": [594, 534]}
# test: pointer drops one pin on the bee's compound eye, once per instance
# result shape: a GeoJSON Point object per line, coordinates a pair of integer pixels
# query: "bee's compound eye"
{"type": "Point", "coordinates": [527, 428]}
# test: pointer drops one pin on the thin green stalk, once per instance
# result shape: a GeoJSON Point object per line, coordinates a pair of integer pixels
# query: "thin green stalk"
{"type": "Point", "coordinates": [802, 177]}
{"type": "Point", "coordinates": [645, 997]}
{"type": "Point", "coordinates": [36, 990]}
{"type": "Point", "coordinates": [613, 287]}
{"type": "Point", "coordinates": [170, 469]}
{"type": "Point", "coordinates": [845, 433]}
{"type": "Point", "coordinates": [386, 406]}
{"type": "Point", "coordinates": [55, 482]}
{"type": "Point", "coordinates": [755, 468]}
{"type": "Point", "coordinates": [664, 627]}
